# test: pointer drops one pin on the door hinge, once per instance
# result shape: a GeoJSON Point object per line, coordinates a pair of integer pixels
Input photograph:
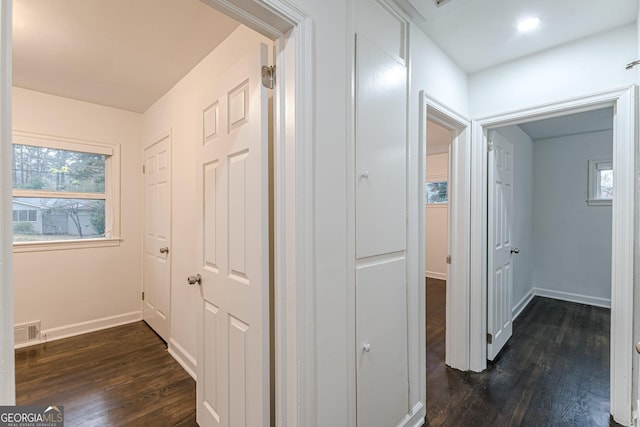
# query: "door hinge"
{"type": "Point", "coordinates": [489, 338]}
{"type": "Point", "coordinates": [448, 259]}
{"type": "Point", "coordinates": [269, 76]}
{"type": "Point", "coordinates": [144, 169]}
{"type": "Point", "coordinates": [143, 296]}
{"type": "Point", "coordinates": [490, 146]}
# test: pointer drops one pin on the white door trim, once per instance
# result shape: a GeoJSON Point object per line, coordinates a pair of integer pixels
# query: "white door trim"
{"type": "Point", "coordinates": [7, 362]}
{"type": "Point", "coordinates": [457, 306]}
{"type": "Point", "coordinates": [624, 147]}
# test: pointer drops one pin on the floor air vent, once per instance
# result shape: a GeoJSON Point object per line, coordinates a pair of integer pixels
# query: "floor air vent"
{"type": "Point", "coordinates": [27, 332]}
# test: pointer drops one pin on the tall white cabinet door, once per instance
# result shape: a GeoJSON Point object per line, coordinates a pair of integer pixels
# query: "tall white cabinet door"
{"type": "Point", "coordinates": [381, 337]}
{"type": "Point", "coordinates": [500, 277]}
{"type": "Point", "coordinates": [381, 270]}
{"type": "Point", "coordinates": [157, 237]}
{"type": "Point", "coordinates": [381, 151]}
{"type": "Point", "coordinates": [233, 250]}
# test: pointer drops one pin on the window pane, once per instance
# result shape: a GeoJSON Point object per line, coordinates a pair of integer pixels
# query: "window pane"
{"type": "Point", "coordinates": [59, 219]}
{"type": "Point", "coordinates": [605, 178]}
{"type": "Point", "coordinates": [39, 168]}
{"type": "Point", "coordinates": [436, 192]}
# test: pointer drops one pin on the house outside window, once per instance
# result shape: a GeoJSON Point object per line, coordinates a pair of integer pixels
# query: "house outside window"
{"type": "Point", "coordinates": [600, 184]}
{"type": "Point", "coordinates": [64, 190]}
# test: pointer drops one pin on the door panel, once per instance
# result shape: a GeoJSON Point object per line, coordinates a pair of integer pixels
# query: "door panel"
{"type": "Point", "coordinates": [233, 251]}
{"type": "Point", "coordinates": [381, 151]}
{"type": "Point", "coordinates": [157, 236]}
{"type": "Point", "coordinates": [381, 319]}
{"type": "Point", "coordinates": [500, 281]}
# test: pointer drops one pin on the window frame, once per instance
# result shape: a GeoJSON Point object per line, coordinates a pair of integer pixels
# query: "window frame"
{"type": "Point", "coordinates": [593, 185]}
{"type": "Point", "coordinates": [111, 195]}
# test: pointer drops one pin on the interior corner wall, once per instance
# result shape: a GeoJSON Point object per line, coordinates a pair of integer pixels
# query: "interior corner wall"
{"type": "Point", "coordinates": [436, 221]}
{"type": "Point", "coordinates": [581, 68]}
{"type": "Point", "coordinates": [180, 112]}
{"type": "Point", "coordinates": [437, 74]}
{"type": "Point", "coordinates": [77, 290]}
{"type": "Point", "coordinates": [572, 245]}
{"type": "Point", "coordinates": [522, 226]}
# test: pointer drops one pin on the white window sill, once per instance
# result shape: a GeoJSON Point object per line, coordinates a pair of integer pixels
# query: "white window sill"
{"type": "Point", "coordinates": [599, 202]}
{"type": "Point", "coordinates": [62, 245]}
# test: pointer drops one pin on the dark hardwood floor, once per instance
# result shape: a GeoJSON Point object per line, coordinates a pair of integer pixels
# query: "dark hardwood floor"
{"type": "Point", "coordinates": [554, 371]}
{"type": "Point", "coordinates": [121, 376]}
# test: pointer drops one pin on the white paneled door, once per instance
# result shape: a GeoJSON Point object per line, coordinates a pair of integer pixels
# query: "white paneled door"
{"type": "Point", "coordinates": [233, 249]}
{"type": "Point", "coordinates": [500, 277]}
{"type": "Point", "coordinates": [157, 237]}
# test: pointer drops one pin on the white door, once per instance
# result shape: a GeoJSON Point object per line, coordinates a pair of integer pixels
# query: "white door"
{"type": "Point", "coordinates": [233, 249]}
{"type": "Point", "coordinates": [500, 280]}
{"type": "Point", "coordinates": [157, 237]}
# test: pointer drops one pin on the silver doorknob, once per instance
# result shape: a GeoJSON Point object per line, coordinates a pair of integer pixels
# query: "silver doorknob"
{"type": "Point", "coordinates": [366, 347]}
{"type": "Point", "coordinates": [515, 250]}
{"type": "Point", "coordinates": [638, 347]}
{"type": "Point", "coordinates": [192, 280]}
{"type": "Point", "coordinates": [364, 174]}
{"type": "Point", "coordinates": [164, 250]}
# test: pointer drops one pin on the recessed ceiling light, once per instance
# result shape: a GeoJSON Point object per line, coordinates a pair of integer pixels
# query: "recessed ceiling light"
{"type": "Point", "coordinates": [528, 24]}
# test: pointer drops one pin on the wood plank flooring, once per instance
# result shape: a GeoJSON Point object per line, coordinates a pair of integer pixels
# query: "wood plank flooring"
{"type": "Point", "coordinates": [121, 376]}
{"type": "Point", "coordinates": [554, 371]}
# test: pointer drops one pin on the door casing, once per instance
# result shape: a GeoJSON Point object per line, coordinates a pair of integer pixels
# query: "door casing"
{"type": "Point", "coordinates": [457, 291]}
{"type": "Point", "coordinates": [625, 158]}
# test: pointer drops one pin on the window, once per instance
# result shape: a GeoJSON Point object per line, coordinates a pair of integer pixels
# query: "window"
{"type": "Point", "coordinates": [63, 191]}
{"type": "Point", "coordinates": [600, 182]}
{"type": "Point", "coordinates": [435, 193]}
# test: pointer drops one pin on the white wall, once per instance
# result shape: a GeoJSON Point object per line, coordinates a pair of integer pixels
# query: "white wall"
{"type": "Point", "coordinates": [435, 73]}
{"type": "Point", "coordinates": [588, 66]}
{"type": "Point", "coordinates": [572, 243]}
{"type": "Point", "coordinates": [180, 111]}
{"type": "Point", "coordinates": [436, 220]}
{"type": "Point", "coordinates": [66, 287]}
{"type": "Point", "coordinates": [522, 225]}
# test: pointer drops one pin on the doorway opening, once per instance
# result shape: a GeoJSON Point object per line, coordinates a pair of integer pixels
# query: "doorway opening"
{"type": "Point", "coordinates": [622, 103]}
{"type": "Point", "coordinates": [550, 191]}
{"type": "Point", "coordinates": [443, 260]}
{"type": "Point", "coordinates": [290, 30]}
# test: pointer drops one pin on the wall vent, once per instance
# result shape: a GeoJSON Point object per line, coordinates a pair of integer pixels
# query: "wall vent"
{"type": "Point", "coordinates": [441, 2]}
{"type": "Point", "coordinates": [27, 332]}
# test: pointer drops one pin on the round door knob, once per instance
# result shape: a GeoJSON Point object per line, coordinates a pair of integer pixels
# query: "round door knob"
{"type": "Point", "coordinates": [638, 347]}
{"type": "Point", "coordinates": [366, 347]}
{"type": "Point", "coordinates": [515, 250]}
{"type": "Point", "coordinates": [192, 280]}
{"type": "Point", "coordinates": [164, 250]}
{"type": "Point", "coordinates": [364, 174]}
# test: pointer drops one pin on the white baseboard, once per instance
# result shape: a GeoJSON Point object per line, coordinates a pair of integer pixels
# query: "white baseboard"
{"type": "Point", "coordinates": [515, 312]}
{"type": "Point", "coordinates": [567, 296]}
{"type": "Point", "coordinates": [182, 356]}
{"type": "Point", "coordinates": [415, 418]}
{"type": "Point", "coordinates": [436, 275]}
{"type": "Point", "coordinates": [74, 329]}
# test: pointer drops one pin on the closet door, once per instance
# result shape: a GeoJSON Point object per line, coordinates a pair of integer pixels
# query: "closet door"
{"type": "Point", "coordinates": [381, 200]}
